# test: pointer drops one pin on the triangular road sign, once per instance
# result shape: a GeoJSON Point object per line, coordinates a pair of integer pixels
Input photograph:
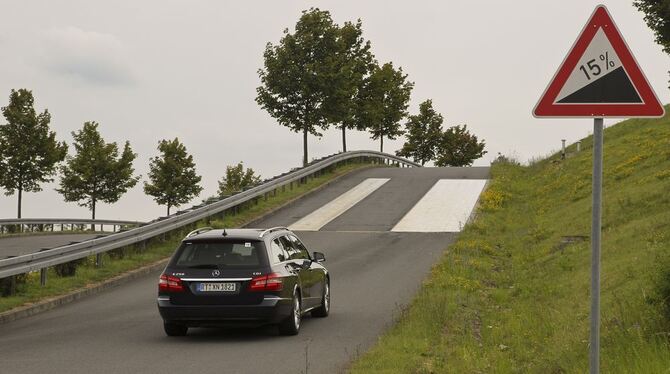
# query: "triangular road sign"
{"type": "Point", "coordinates": [599, 78]}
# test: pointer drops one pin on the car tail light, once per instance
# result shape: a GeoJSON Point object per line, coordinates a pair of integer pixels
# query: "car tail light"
{"type": "Point", "coordinates": [168, 283]}
{"type": "Point", "coordinates": [270, 282]}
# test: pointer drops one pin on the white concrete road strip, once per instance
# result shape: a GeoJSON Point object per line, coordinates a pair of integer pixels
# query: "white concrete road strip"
{"type": "Point", "coordinates": [444, 208]}
{"type": "Point", "coordinates": [320, 217]}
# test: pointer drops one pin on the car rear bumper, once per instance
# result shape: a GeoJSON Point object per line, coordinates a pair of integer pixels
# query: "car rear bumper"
{"type": "Point", "coordinates": [270, 310]}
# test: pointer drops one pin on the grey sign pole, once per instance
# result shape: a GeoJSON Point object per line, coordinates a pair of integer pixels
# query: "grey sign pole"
{"type": "Point", "coordinates": [595, 243]}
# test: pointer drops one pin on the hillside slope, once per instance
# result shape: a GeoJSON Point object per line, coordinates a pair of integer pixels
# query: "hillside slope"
{"type": "Point", "coordinates": [512, 294]}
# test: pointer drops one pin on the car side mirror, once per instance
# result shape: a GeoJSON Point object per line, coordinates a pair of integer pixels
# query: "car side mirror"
{"type": "Point", "coordinates": [319, 257]}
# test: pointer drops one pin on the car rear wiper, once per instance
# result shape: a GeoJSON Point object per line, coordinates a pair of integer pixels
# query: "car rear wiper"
{"type": "Point", "coordinates": [204, 266]}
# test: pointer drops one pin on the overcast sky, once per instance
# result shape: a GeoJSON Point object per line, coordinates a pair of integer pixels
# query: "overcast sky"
{"type": "Point", "coordinates": [151, 70]}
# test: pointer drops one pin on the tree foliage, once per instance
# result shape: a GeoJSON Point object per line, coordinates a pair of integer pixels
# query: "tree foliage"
{"type": "Point", "coordinates": [294, 79]}
{"type": "Point", "coordinates": [424, 133]}
{"type": "Point", "coordinates": [96, 173]}
{"type": "Point", "coordinates": [237, 179]}
{"type": "Point", "coordinates": [351, 66]}
{"type": "Point", "coordinates": [384, 100]}
{"type": "Point", "coordinates": [657, 16]}
{"type": "Point", "coordinates": [29, 152]}
{"type": "Point", "coordinates": [458, 147]}
{"type": "Point", "coordinates": [172, 174]}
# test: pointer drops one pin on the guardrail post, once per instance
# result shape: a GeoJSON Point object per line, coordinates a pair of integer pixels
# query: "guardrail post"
{"type": "Point", "coordinates": [98, 260]}
{"type": "Point", "coordinates": [12, 286]}
{"type": "Point", "coordinates": [43, 277]}
{"type": "Point", "coordinates": [563, 149]}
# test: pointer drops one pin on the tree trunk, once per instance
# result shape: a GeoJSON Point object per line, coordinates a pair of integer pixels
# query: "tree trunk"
{"type": "Point", "coordinates": [168, 209]}
{"type": "Point", "coordinates": [304, 147]}
{"type": "Point", "coordinates": [93, 214]}
{"type": "Point", "coordinates": [423, 162]}
{"type": "Point", "coordinates": [19, 207]}
{"type": "Point", "coordinates": [381, 143]}
{"type": "Point", "coordinates": [344, 138]}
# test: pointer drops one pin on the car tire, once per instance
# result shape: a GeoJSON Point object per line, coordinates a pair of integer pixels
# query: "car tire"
{"type": "Point", "coordinates": [291, 325]}
{"type": "Point", "coordinates": [175, 329]}
{"type": "Point", "coordinates": [324, 309]}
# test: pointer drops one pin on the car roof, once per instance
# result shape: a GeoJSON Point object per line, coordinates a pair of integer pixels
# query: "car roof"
{"type": "Point", "coordinates": [244, 234]}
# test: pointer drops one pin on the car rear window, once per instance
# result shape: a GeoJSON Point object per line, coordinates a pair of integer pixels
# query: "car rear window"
{"type": "Point", "coordinates": [218, 254]}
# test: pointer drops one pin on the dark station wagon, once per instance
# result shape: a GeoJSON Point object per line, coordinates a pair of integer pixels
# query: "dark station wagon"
{"type": "Point", "coordinates": [242, 277]}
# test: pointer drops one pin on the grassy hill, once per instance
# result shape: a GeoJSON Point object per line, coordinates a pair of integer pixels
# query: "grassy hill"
{"type": "Point", "coordinates": [512, 294]}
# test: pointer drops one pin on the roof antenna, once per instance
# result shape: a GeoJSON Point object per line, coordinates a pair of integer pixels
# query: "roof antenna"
{"type": "Point", "coordinates": [224, 232]}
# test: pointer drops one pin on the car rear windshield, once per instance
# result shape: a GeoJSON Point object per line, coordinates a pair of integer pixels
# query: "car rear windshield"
{"type": "Point", "coordinates": [219, 254]}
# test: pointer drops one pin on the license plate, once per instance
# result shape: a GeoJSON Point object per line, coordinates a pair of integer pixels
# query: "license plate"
{"type": "Point", "coordinates": [216, 287]}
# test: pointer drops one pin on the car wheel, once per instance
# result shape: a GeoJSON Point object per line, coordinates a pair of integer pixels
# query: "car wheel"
{"type": "Point", "coordinates": [291, 325]}
{"type": "Point", "coordinates": [174, 329]}
{"type": "Point", "coordinates": [324, 309]}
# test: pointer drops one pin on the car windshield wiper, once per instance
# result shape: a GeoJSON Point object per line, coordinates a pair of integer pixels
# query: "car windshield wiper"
{"type": "Point", "coordinates": [204, 266]}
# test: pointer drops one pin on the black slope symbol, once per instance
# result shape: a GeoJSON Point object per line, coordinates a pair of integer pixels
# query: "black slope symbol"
{"type": "Point", "coordinates": [615, 87]}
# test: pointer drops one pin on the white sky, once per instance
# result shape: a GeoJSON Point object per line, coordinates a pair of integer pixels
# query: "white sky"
{"type": "Point", "coordinates": [151, 70]}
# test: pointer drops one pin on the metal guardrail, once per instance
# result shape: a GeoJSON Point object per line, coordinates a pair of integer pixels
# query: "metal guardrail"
{"type": "Point", "coordinates": [66, 221]}
{"type": "Point", "coordinates": [41, 260]}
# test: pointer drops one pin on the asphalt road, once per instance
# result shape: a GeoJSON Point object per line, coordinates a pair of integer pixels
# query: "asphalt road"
{"type": "Point", "coordinates": [23, 245]}
{"type": "Point", "coordinates": [374, 274]}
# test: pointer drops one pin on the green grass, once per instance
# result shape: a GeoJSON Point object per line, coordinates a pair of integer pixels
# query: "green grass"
{"type": "Point", "coordinates": [508, 297]}
{"type": "Point", "coordinates": [120, 261]}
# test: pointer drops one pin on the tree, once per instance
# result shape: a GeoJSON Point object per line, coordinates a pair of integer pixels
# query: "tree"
{"type": "Point", "coordinates": [424, 132]}
{"type": "Point", "coordinates": [237, 179]}
{"type": "Point", "coordinates": [29, 152]}
{"type": "Point", "coordinates": [458, 147]}
{"type": "Point", "coordinates": [657, 16]}
{"type": "Point", "coordinates": [96, 173]}
{"type": "Point", "coordinates": [351, 65]}
{"type": "Point", "coordinates": [295, 75]}
{"type": "Point", "coordinates": [384, 100]}
{"type": "Point", "coordinates": [173, 178]}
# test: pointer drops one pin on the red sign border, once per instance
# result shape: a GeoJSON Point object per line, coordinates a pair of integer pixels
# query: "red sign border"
{"type": "Point", "coordinates": [651, 107]}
